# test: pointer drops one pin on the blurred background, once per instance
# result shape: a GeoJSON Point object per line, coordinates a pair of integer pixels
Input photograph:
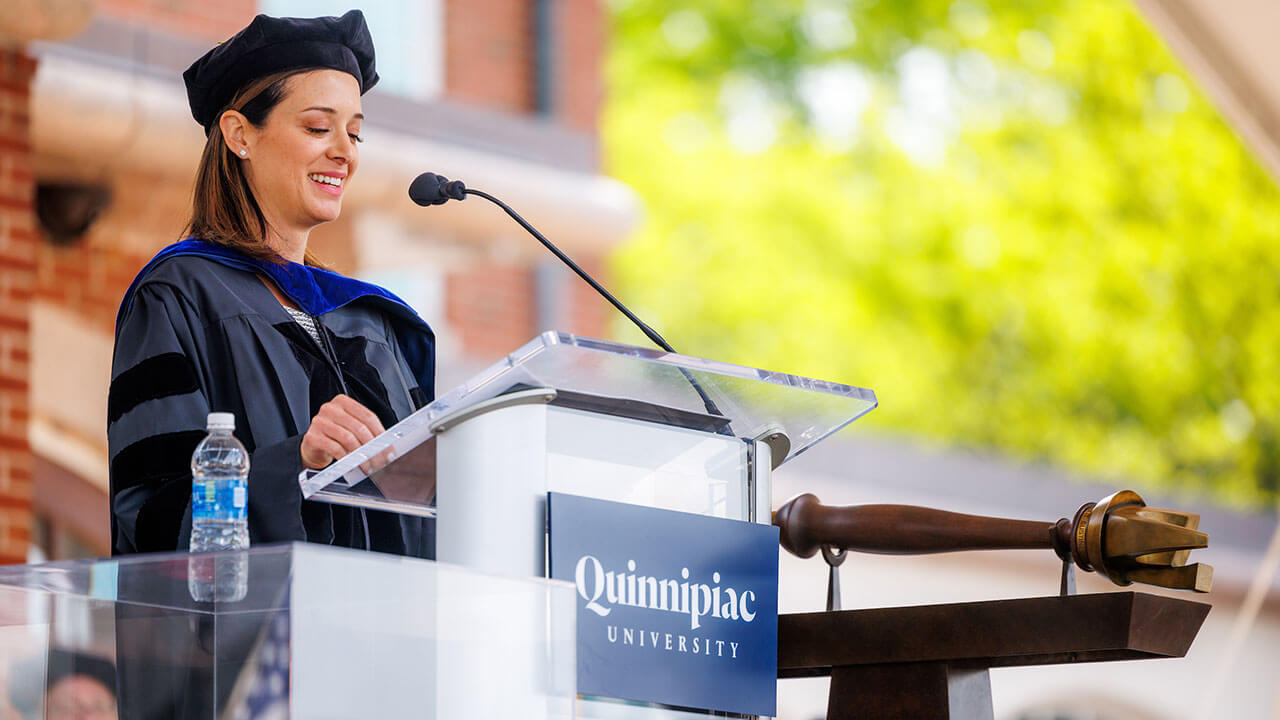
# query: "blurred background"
{"type": "Point", "coordinates": [1045, 232]}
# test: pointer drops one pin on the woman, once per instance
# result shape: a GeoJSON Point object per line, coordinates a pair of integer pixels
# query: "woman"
{"type": "Point", "coordinates": [241, 317]}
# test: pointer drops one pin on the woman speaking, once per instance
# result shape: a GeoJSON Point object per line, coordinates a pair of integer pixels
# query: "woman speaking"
{"type": "Point", "coordinates": [241, 317]}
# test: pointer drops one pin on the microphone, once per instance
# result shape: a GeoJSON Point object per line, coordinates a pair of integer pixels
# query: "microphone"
{"type": "Point", "coordinates": [431, 189]}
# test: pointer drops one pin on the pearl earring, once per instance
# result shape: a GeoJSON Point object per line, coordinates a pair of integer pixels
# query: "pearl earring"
{"type": "Point", "coordinates": [244, 153]}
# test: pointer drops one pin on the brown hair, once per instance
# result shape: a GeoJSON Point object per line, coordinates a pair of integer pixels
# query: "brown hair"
{"type": "Point", "coordinates": [223, 209]}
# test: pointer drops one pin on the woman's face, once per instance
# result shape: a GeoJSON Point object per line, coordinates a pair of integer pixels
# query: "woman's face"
{"type": "Point", "coordinates": [300, 161]}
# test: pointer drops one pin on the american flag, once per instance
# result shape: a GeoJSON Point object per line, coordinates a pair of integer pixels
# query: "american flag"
{"type": "Point", "coordinates": [262, 690]}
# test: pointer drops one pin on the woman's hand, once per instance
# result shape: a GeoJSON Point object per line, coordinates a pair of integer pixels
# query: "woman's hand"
{"type": "Point", "coordinates": [341, 426]}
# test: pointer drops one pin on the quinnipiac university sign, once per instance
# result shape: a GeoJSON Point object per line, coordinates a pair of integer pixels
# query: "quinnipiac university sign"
{"type": "Point", "coordinates": [673, 608]}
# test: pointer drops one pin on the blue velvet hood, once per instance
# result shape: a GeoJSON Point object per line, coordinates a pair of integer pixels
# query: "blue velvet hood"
{"type": "Point", "coordinates": [316, 291]}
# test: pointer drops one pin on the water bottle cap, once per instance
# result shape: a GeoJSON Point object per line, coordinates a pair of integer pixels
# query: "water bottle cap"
{"type": "Point", "coordinates": [222, 421]}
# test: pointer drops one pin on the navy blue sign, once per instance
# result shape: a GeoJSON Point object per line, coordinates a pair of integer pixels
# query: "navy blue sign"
{"type": "Point", "coordinates": [673, 608]}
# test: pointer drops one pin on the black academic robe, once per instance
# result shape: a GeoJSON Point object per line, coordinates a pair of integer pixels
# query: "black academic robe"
{"type": "Point", "coordinates": [199, 332]}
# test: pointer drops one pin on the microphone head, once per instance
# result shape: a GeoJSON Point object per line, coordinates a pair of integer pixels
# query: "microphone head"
{"type": "Point", "coordinates": [425, 189]}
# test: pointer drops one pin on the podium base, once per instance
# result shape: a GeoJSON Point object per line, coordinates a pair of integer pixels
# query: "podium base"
{"type": "Point", "coordinates": [933, 660]}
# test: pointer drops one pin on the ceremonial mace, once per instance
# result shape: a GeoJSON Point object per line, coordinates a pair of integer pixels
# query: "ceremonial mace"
{"type": "Point", "coordinates": [1118, 536]}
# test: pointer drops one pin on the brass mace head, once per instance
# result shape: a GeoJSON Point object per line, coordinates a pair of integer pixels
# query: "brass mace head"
{"type": "Point", "coordinates": [1122, 538]}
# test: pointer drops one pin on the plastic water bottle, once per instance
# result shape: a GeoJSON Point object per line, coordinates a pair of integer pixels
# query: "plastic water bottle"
{"type": "Point", "coordinates": [219, 514]}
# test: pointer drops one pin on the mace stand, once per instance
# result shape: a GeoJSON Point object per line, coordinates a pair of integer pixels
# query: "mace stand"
{"type": "Point", "coordinates": [932, 661]}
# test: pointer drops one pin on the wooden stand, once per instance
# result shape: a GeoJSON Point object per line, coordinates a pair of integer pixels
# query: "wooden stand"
{"type": "Point", "coordinates": [932, 661]}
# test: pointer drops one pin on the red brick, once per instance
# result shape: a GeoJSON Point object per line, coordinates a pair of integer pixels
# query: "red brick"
{"type": "Point", "coordinates": [492, 307]}
{"type": "Point", "coordinates": [14, 501]}
{"type": "Point", "coordinates": [16, 289]}
{"type": "Point", "coordinates": [18, 243]}
{"type": "Point", "coordinates": [72, 273]}
{"type": "Point", "coordinates": [16, 487]}
{"type": "Point", "coordinates": [489, 50]}
{"type": "Point", "coordinates": [14, 318]}
{"type": "Point", "coordinates": [580, 41]}
{"type": "Point", "coordinates": [15, 262]}
{"type": "Point", "coordinates": [21, 175]}
{"type": "Point", "coordinates": [57, 296]}
{"type": "Point", "coordinates": [15, 145]}
{"type": "Point", "coordinates": [20, 235]}
{"type": "Point", "coordinates": [198, 18]}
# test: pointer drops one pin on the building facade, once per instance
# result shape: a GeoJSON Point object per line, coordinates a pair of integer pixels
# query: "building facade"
{"type": "Point", "coordinates": [97, 156]}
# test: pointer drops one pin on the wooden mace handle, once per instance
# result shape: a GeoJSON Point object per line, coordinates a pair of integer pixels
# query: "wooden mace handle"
{"type": "Point", "coordinates": [1118, 536]}
{"type": "Point", "coordinates": [807, 525]}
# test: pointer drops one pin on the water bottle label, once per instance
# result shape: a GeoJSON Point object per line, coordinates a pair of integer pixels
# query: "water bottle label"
{"type": "Point", "coordinates": [202, 497]}
{"type": "Point", "coordinates": [223, 499]}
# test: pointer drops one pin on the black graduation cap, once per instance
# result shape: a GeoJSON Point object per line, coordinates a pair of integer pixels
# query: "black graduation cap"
{"type": "Point", "coordinates": [269, 45]}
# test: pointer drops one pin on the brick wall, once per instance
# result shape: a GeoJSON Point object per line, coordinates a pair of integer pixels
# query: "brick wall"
{"type": "Point", "coordinates": [580, 37]}
{"type": "Point", "coordinates": [489, 53]}
{"type": "Point", "coordinates": [17, 275]}
{"type": "Point", "coordinates": [586, 312]}
{"type": "Point", "coordinates": [209, 19]}
{"type": "Point", "coordinates": [491, 307]}
{"type": "Point", "coordinates": [88, 279]}
{"type": "Point", "coordinates": [490, 50]}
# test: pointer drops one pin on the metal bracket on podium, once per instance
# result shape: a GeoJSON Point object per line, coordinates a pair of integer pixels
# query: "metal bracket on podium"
{"type": "Point", "coordinates": [834, 558]}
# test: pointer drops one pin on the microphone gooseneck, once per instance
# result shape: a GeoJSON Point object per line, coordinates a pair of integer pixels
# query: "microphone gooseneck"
{"type": "Point", "coordinates": [648, 331]}
{"type": "Point", "coordinates": [431, 189]}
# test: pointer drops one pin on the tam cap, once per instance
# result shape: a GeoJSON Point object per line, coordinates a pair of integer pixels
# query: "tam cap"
{"type": "Point", "coordinates": [270, 45]}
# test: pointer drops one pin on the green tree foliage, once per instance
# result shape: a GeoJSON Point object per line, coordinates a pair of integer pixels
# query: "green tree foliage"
{"type": "Point", "coordinates": [1020, 223]}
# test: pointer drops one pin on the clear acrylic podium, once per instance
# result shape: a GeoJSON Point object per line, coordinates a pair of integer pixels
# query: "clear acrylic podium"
{"type": "Point", "coordinates": [321, 632]}
{"type": "Point", "coordinates": [592, 418]}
